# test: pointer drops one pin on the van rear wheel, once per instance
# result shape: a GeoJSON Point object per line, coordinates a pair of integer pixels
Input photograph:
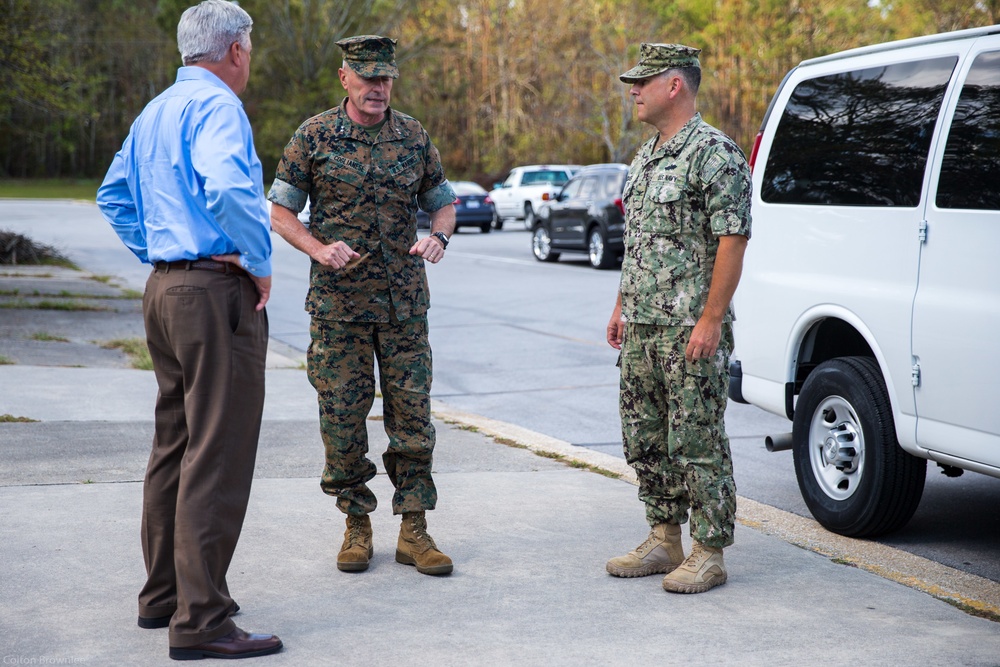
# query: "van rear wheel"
{"type": "Point", "coordinates": [854, 477]}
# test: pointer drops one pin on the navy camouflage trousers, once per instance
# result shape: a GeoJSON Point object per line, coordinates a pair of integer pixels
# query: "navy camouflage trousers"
{"type": "Point", "coordinates": [341, 368]}
{"type": "Point", "coordinates": [674, 433]}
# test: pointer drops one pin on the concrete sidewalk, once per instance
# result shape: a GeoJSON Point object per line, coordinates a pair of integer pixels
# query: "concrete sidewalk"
{"type": "Point", "coordinates": [529, 535]}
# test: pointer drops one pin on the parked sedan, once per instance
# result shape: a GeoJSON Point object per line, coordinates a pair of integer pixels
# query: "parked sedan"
{"type": "Point", "coordinates": [586, 216]}
{"type": "Point", "coordinates": [473, 208]}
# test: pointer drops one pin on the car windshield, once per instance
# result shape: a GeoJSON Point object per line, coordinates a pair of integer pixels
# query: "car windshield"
{"type": "Point", "coordinates": [539, 177]}
{"type": "Point", "coordinates": [467, 188]}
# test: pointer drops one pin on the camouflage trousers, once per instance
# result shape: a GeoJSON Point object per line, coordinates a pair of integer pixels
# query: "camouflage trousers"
{"type": "Point", "coordinates": [341, 368]}
{"type": "Point", "coordinates": [674, 432]}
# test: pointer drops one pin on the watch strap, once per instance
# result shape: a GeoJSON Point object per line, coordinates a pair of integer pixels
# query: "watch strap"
{"type": "Point", "coordinates": [442, 237]}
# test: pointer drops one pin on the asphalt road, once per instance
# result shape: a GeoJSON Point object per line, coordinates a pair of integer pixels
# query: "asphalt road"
{"type": "Point", "coordinates": [523, 342]}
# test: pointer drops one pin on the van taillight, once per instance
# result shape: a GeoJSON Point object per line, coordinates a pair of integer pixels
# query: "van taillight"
{"type": "Point", "coordinates": [621, 205]}
{"type": "Point", "coordinates": [756, 147]}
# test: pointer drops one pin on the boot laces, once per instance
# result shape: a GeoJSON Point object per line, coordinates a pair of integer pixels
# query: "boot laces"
{"type": "Point", "coordinates": [355, 533]}
{"type": "Point", "coordinates": [651, 542]}
{"type": "Point", "coordinates": [419, 526]}
{"type": "Point", "coordinates": [699, 556]}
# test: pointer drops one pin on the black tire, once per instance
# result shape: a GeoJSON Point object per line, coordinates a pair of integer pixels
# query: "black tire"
{"type": "Point", "coordinates": [854, 477]}
{"type": "Point", "coordinates": [541, 245]}
{"type": "Point", "coordinates": [497, 221]}
{"type": "Point", "coordinates": [597, 250]}
{"type": "Point", "coordinates": [485, 229]}
{"type": "Point", "coordinates": [529, 216]}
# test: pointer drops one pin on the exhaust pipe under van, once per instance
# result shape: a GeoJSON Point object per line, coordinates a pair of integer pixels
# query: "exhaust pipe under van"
{"type": "Point", "coordinates": [778, 443]}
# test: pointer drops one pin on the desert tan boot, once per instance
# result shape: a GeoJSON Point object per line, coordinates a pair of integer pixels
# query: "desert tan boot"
{"type": "Point", "coordinates": [702, 570]}
{"type": "Point", "coordinates": [357, 546]}
{"type": "Point", "coordinates": [416, 547]}
{"type": "Point", "coordinates": [661, 552]}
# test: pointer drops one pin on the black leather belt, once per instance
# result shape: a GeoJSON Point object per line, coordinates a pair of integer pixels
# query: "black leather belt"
{"type": "Point", "coordinates": [200, 264]}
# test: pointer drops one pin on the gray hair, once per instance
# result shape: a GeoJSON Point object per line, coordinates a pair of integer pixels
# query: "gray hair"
{"type": "Point", "coordinates": [206, 31]}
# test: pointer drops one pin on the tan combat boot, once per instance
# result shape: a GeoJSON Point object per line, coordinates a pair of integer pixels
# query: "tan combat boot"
{"type": "Point", "coordinates": [661, 552]}
{"type": "Point", "coordinates": [416, 547]}
{"type": "Point", "coordinates": [702, 570]}
{"type": "Point", "coordinates": [357, 546]}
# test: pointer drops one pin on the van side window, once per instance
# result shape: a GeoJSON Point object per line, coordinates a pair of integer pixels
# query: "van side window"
{"type": "Point", "coordinates": [970, 170]}
{"type": "Point", "coordinates": [857, 138]}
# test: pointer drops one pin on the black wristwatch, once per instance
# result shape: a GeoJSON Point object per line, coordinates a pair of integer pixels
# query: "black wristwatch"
{"type": "Point", "coordinates": [442, 237]}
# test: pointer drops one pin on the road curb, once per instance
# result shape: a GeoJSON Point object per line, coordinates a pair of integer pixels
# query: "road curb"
{"type": "Point", "coordinates": [975, 595]}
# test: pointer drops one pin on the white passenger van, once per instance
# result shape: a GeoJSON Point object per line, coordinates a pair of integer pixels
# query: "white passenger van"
{"type": "Point", "coordinates": [869, 307]}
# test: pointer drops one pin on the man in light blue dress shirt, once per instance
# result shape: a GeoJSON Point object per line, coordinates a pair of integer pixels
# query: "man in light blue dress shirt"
{"type": "Point", "coordinates": [185, 194]}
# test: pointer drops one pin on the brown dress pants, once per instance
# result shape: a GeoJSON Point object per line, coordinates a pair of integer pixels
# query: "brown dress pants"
{"type": "Point", "coordinates": [208, 346]}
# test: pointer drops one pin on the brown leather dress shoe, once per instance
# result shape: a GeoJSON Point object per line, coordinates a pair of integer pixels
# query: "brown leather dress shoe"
{"type": "Point", "coordinates": [155, 622]}
{"type": "Point", "coordinates": [237, 644]}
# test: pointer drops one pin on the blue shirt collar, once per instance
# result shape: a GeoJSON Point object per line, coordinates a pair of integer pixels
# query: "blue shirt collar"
{"type": "Point", "coordinates": [195, 73]}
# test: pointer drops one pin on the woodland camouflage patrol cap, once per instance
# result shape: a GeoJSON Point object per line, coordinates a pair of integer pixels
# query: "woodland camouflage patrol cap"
{"type": "Point", "coordinates": [370, 56]}
{"type": "Point", "coordinates": [656, 58]}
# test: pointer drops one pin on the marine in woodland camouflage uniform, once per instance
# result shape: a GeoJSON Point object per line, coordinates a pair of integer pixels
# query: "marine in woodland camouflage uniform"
{"type": "Point", "coordinates": [687, 189]}
{"type": "Point", "coordinates": [364, 184]}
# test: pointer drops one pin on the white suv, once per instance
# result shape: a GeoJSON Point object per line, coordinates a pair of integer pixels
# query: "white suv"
{"type": "Point", "coordinates": [871, 288]}
{"type": "Point", "coordinates": [522, 194]}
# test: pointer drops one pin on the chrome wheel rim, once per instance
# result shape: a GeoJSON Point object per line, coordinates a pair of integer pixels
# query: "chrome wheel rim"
{"type": "Point", "coordinates": [596, 248]}
{"type": "Point", "coordinates": [836, 448]}
{"type": "Point", "coordinates": [541, 244]}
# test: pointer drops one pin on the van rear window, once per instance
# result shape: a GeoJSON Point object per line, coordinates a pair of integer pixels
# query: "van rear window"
{"type": "Point", "coordinates": [970, 170]}
{"type": "Point", "coordinates": [857, 138]}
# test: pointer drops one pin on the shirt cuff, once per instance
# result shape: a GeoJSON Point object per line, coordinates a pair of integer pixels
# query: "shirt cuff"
{"type": "Point", "coordinates": [261, 269]}
{"type": "Point", "coordinates": [287, 195]}
{"type": "Point", "coordinates": [437, 198]}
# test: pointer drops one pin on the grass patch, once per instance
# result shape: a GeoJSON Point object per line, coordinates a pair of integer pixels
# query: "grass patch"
{"type": "Point", "coordinates": [573, 463]}
{"type": "Point", "coordinates": [101, 279]}
{"type": "Point", "coordinates": [21, 304]}
{"type": "Point", "coordinates": [988, 614]}
{"type": "Point", "coordinates": [4, 361]}
{"type": "Point", "coordinates": [127, 294]}
{"type": "Point", "coordinates": [507, 442]}
{"type": "Point", "coordinates": [461, 426]}
{"type": "Point", "coordinates": [21, 274]}
{"type": "Point", "coordinates": [44, 336]}
{"type": "Point", "coordinates": [11, 419]}
{"type": "Point", "coordinates": [49, 188]}
{"type": "Point", "coordinates": [135, 349]}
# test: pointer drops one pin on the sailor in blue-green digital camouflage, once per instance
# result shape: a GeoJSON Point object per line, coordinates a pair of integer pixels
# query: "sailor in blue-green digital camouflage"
{"type": "Point", "coordinates": [687, 205]}
{"type": "Point", "coordinates": [364, 168]}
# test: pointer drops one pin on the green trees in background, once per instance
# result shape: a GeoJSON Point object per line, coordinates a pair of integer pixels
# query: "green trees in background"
{"type": "Point", "coordinates": [496, 82]}
{"type": "Point", "coordinates": [73, 75]}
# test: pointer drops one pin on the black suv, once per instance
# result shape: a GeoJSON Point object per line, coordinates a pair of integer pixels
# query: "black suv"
{"type": "Point", "coordinates": [586, 216]}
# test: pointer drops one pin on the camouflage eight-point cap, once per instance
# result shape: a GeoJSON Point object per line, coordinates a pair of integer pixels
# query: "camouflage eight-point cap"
{"type": "Point", "coordinates": [370, 55]}
{"type": "Point", "coordinates": [656, 58]}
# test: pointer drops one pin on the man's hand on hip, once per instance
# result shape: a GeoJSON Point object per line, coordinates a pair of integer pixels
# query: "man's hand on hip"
{"type": "Point", "coordinates": [263, 285]}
